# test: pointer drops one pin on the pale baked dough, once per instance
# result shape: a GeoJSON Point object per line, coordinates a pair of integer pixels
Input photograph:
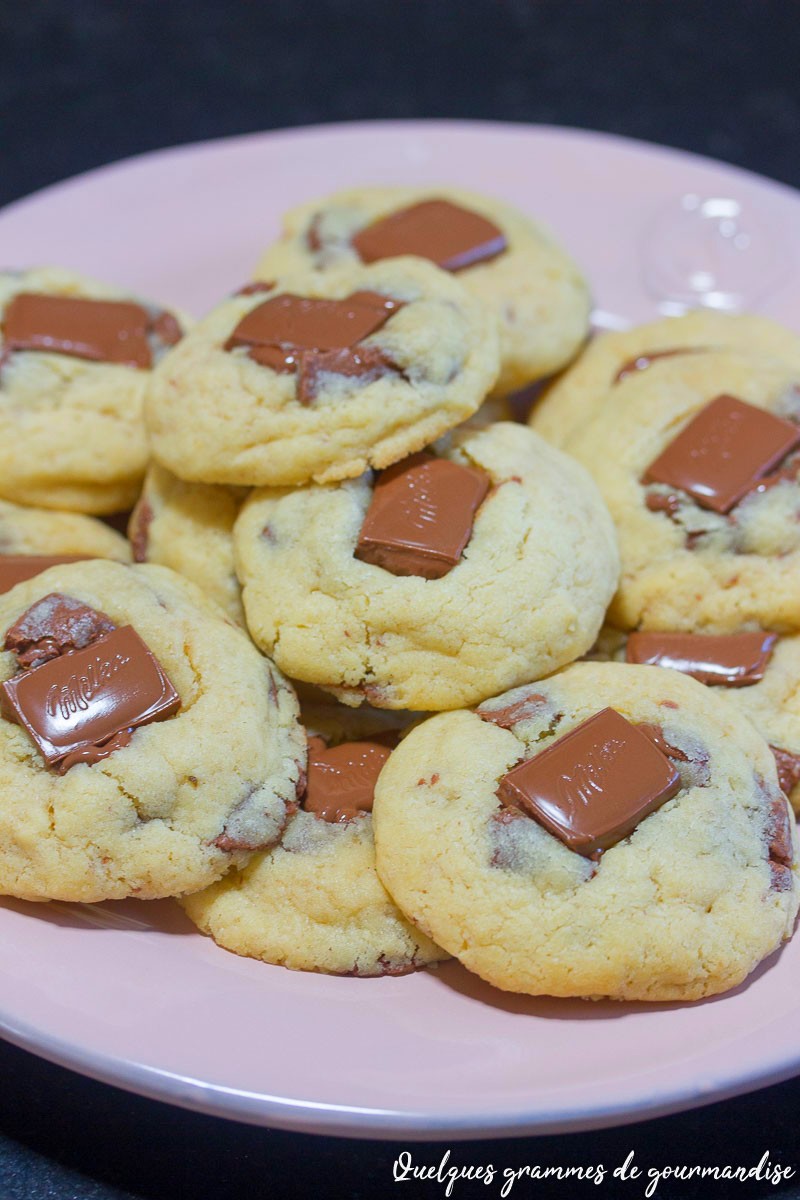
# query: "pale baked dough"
{"type": "Point", "coordinates": [42, 531]}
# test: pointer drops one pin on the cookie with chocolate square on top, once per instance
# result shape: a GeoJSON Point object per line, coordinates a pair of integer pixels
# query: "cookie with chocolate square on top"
{"type": "Point", "coordinates": [612, 831]}
{"type": "Point", "coordinates": [145, 746]}
{"type": "Point", "coordinates": [483, 562]}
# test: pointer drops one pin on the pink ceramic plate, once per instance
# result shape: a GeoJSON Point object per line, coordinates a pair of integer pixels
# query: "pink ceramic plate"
{"type": "Point", "coordinates": [129, 993]}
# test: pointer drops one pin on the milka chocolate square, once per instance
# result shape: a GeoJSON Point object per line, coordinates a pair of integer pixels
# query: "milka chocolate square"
{"type": "Point", "coordinates": [592, 787]}
{"type": "Point", "coordinates": [421, 516]}
{"type": "Point", "coordinates": [112, 331]}
{"type": "Point", "coordinates": [445, 233]}
{"type": "Point", "coordinates": [730, 660]}
{"type": "Point", "coordinates": [723, 452]}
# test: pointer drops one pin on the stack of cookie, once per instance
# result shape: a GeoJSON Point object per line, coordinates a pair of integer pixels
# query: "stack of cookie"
{"type": "Point", "coordinates": [325, 508]}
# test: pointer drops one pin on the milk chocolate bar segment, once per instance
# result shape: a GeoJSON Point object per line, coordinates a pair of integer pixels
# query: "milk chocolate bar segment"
{"type": "Point", "coordinates": [731, 660]}
{"type": "Point", "coordinates": [421, 516]}
{"type": "Point", "coordinates": [300, 323]}
{"type": "Point", "coordinates": [83, 699]}
{"type": "Point", "coordinates": [112, 331]}
{"type": "Point", "coordinates": [593, 786]}
{"type": "Point", "coordinates": [16, 568]}
{"type": "Point", "coordinates": [723, 452]}
{"type": "Point", "coordinates": [341, 779]}
{"type": "Point", "coordinates": [447, 234]}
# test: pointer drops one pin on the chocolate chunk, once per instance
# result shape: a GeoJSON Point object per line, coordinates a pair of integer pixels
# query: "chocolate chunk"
{"type": "Point", "coordinates": [166, 329]}
{"type": "Point", "coordinates": [139, 530]}
{"type": "Point", "coordinates": [723, 452]}
{"type": "Point", "coordinates": [341, 779]}
{"type": "Point", "coordinates": [16, 568]}
{"type": "Point", "coordinates": [787, 473]}
{"type": "Point", "coordinates": [788, 765]}
{"type": "Point", "coordinates": [660, 502]}
{"type": "Point", "coordinates": [366, 363]}
{"type": "Point", "coordinates": [447, 234]}
{"type": "Point", "coordinates": [593, 786]}
{"type": "Point", "coordinates": [298, 323]}
{"type": "Point", "coordinates": [421, 516]}
{"type": "Point", "coordinates": [642, 361]}
{"type": "Point", "coordinates": [53, 626]}
{"type": "Point", "coordinates": [81, 700]}
{"type": "Point", "coordinates": [110, 331]}
{"type": "Point", "coordinates": [731, 660]}
{"type": "Point", "coordinates": [656, 733]}
{"type": "Point", "coordinates": [255, 288]}
{"type": "Point", "coordinates": [526, 709]}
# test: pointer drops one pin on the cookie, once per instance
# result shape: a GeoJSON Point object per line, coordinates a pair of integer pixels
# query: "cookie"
{"type": "Point", "coordinates": [31, 538]}
{"type": "Point", "coordinates": [448, 578]}
{"type": "Point", "coordinates": [580, 392]}
{"type": "Point", "coordinates": [758, 672]}
{"type": "Point", "coordinates": [696, 555]}
{"type": "Point", "coordinates": [506, 260]}
{"type": "Point", "coordinates": [189, 528]}
{"type": "Point", "coordinates": [322, 375]}
{"type": "Point", "coordinates": [75, 357]}
{"type": "Point", "coordinates": [145, 746]}
{"type": "Point", "coordinates": [613, 831]}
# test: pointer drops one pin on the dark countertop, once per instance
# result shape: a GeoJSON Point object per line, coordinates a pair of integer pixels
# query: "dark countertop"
{"type": "Point", "coordinates": [84, 84]}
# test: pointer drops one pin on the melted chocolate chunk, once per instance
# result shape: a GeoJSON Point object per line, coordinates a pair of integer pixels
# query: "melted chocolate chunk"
{"type": "Point", "coordinates": [165, 328]}
{"type": "Point", "coordinates": [84, 704]}
{"type": "Point", "coordinates": [316, 337]}
{"type": "Point", "coordinates": [139, 531]}
{"type": "Point", "coordinates": [730, 660]}
{"type": "Point", "coordinates": [366, 363]}
{"type": "Point", "coordinates": [447, 234]}
{"type": "Point", "coordinates": [659, 502]}
{"type": "Point", "coordinates": [53, 626]}
{"type": "Point", "coordinates": [16, 568]}
{"type": "Point", "coordinates": [723, 452]}
{"type": "Point", "coordinates": [593, 786]}
{"type": "Point", "coordinates": [255, 288]}
{"type": "Point", "coordinates": [421, 516]}
{"type": "Point", "coordinates": [521, 710]}
{"type": "Point", "coordinates": [778, 838]}
{"type": "Point", "coordinates": [788, 765]}
{"type": "Point", "coordinates": [110, 331]}
{"type": "Point", "coordinates": [341, 779]}
{"type": "Point", "coordinates": [646, 359]}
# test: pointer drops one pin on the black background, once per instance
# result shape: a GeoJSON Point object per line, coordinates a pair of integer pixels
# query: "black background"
{"type": "Point", "coordinates": [87, 82]}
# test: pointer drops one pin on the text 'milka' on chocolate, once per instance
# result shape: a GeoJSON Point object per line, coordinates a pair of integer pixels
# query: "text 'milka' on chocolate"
{"type": "Point", "coordinates": [729, 660]}
{"type": "Point", "coordinates": [16, 568]}
{"type": "Point", "coordinates": [341, 779]}
{"type": "Point", "coordinates": [723, 452]}
{"type": "Point", "coordinates": [112, 331]}
{"type": "Point", "coordinates": [592, 787]}
{"type": "Point", "coordinates": [445, 233]}
{"type": "Point", "coordinates": [76, 704]}
{"type": "Point", "coordinates": [421, 516]}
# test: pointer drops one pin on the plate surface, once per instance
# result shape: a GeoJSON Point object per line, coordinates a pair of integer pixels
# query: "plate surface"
{"type": "Point", "coordinates": [129, 993]}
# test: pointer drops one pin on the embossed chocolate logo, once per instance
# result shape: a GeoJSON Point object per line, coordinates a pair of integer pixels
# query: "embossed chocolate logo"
{"type": "Point", "coordinates": [74, 704]}
{"type": "Point", "coordinates": [593, 786]}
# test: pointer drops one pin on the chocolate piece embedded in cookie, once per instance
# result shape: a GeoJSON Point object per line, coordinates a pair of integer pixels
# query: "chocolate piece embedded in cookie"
{"type": "Point", "coordinates": [593, 786]}
{"type": "Point", "coordinates": [723, 452]}
{"type": "Point", "coordinates": [16, 568]}
{"type": "Point", "coordinates": [75, 703]}
{"type": "Point", "coordinates": [341, 779]}
{"type": "Point", "coordinates": [732, 660]}
{"type": "Point", "coordinates": [421, 516]}
{"type": "Point", "coordinates": [445, 233]}
{"type": "Point", "coordinates": [53, 626]}
{"type": "Point", "coordinates": [111, 331]}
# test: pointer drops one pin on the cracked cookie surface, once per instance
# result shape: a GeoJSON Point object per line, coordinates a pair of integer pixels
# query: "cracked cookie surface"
{"type": "Point", "coordinates": [527, 596]}
{"type": "Point", "coordinates": [218, 416]}
{"type": "Point", "coordinates": [535, 291]}
{"type": "Point", "coordinates": [189, 796]}
{"type": "Point", "coordinates": [685, 567]}
{"type": "Point", "coordinates": [72, 430]}
{"type": "Point", "coordinates": [686, 906]}
{"type": "Point", "coordinates": [189, 528]}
